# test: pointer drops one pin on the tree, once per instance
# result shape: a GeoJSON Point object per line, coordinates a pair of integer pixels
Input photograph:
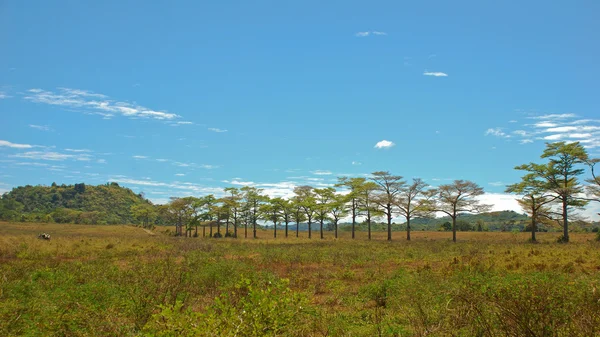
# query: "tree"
{"type": "Point", "coordinates": [560, 176]}
{"type": "Point", "coordinates": [253, 199]}
{"type": "Point", "coordinates": [409, 204]}
{"type": "Point", "coordinates": [368, 207]}
{"type": "Point", "coordinates": [534, 201]}
{"type": "Point", "coordinates": [287, 211]}
{"type": "Point", "coordinates": [145, 213]}
{"type": "Point", "coordinates": [297, 214]}
{"type": "Point", "coordinates": [323, 197]}
{"type": "Point", "coordinates": [233, 204]}
{"type": "Point", "coordinates": [353, 197]}
{"type": "Point", "coordinates": [338, 209]}
{"type": "Point", "coordinates": [179, 212]}
{"type": "Point", "coordinates": [305, 196]}
{"type": "Point", "coordinates": [457, 198]}
{"type": "Point", "coordinates": [389, 188]}
{"type": "Point", "coordinates": [272, 212]}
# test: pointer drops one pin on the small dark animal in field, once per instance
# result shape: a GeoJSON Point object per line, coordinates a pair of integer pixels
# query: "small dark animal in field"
{"type": "Point", "coordinates": [44, 236]}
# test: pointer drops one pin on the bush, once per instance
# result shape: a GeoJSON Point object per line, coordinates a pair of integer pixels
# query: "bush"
{"type": "Point", "coordinates": [217, 235]}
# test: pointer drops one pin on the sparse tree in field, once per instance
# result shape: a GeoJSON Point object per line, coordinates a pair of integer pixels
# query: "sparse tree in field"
{"type": "Point", "coordinates": [560, 176]}
{"type": "Point", "coordinates": [456, 198]}
{"type": "Point", "coordinates": [338, 209]}
{"type": "Point", "coordinates": [233, 204]}
{"type": "Point", "coordinates": [145, 213]}
{"type": "Point", "coordinates": [323, 197]}
{"type": "Point", "coordinates": [368, 207]}
{"type": "Point", "coordinates": [389, 187]}
{"type": "Point", "coordinates": [179, 212]}
{"type": "Point", "coordinates": [272, 211]}
{"type": "Point", "coordinates": [287, 211]}
{"type": "Point", "coordinates": [413, 202]}
{"type": "Point", "coordinates": [305, 197]}
{"type": "Point", "coordinates": [297, 214]}
{"type": "Point", "coordinates": [253, 199]}
{"type": "Point", "coordinates": [354, 185]}
{"type": "Point", "coordinates": [534, 201]}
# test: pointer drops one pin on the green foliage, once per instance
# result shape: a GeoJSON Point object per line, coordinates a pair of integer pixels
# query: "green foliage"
{"type": "Point", "coordinates": [252, 308]}
{"type": "Point", "coordinates": [79, 203]}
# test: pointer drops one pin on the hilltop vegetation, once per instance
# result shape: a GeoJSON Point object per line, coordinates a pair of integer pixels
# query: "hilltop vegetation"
{"type": "Point", "coordinates": [79, 203]}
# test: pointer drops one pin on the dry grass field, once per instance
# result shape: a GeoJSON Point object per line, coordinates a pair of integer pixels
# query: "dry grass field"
{"type": "Point", "coordinates": [126, 281]}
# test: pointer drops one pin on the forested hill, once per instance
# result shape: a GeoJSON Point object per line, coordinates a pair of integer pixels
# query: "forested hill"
{"type": "Point", "coordinates": [79, 203]}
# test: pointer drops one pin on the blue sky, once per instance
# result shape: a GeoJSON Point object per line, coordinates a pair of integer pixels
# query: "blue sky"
{"type": "Point", "coordinates": [180, 98]}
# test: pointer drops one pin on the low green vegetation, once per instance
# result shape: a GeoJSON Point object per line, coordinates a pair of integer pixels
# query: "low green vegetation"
{"type": "Point", "coordinates": [124, 281]}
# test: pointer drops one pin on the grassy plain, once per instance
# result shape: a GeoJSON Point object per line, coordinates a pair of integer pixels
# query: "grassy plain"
{"type": "Point", "coordinates": [125, 281]}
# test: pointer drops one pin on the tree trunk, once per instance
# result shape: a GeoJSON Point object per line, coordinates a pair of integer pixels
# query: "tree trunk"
{"type": "Point", "coordinates": [227, 226]}
{"type": "Point", "coordinates": [353, 218]}
{"type": "Point", "coordinates": [203, 231]}
{"type": "Point", "coordinates": [286, 228]}
{"type": "Point", "coordinates": [275, 231]}
{"type": "Point", "coordinates": [245, 229]}
{"type": "Point", "coordinates": [218, 226]}
{"type": "Point", "coordinates": [210, 233]}
{"type": "Point", "coordinates": [369, 224]}
{"type": "Point", "coordinates": [321, 223]}
{"type": "Point", "coordinates": [408, 228]}
{"type": "Point", "coordinates": [454, 228]}
{"type": "Point", "coordinates": [297, 228]}
{"type": "Point", "coordinates": [309, 229]}
{"type": "Point", "coordinates": [565, 221]}
{"type": "Point", "coordinates": [235, 229]}
{"type": "Point", "coordinates": [196, 233]}
{"type": "Point", "coordinates": [389, 222]}
{"type": "Point", "coordinates": [533, 228]}
{"type": "Point", "coordinates": [336, 229]}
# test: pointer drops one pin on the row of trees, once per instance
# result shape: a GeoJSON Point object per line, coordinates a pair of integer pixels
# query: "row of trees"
{"type": "Point", "coordinates": [383, 195]}
{"type": "Point", "coordinates": [549, 193]}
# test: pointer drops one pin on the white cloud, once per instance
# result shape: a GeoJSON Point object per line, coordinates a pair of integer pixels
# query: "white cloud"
{"type": "Point", "coordinates": [208, 167]}
{"type": "Point", "coordinates": [93, 103]}
{"type": "Point", "coordinates": [526, 141]}
{"type": "Point", "coordinates": [55, 156]}
{"type": "Point", "coordinates": [554, 116]}
{"type": "Point", "coordinates": [512, 121]}
{"type": "Point", "coordinates": [580, 135]}
{"type": "Point", "coordinates": [554, 137]}
{"type": "Point", "coordinates": [78, 150]}
{"type": "Point", "coordinates": [40, 127]}
{"type": "Point", "coordinates": [321, 172]}
{"type": "Point", "coordinates": [239, 182]}
{"type": "Point", "coordinates": [180, 174]}
{"type": "Point", "coordinates": [162, 160]}
{"type": "Point", "coordinates": [367, 33]}
{"type": "Point", "coordinates": [139, 157]}
{"type": "Point", "coordinates": [184, 123]}
{"type": "Point", "coordinates": [435, 73]}
{"type": "Point", "coordinates": [384, 144]}
{"type": "Point", "coordinates": [497, 183]}
{"type": "Point", "coordinates": [4, 95]}
{"type": "Point", "coordinates": [101, 161]}
{"type": "Point", "coordinates": [545, 124]}
{"type": "Point", "coordinates": [356, 163]}
{"type": "Point", "coordinates": [217, 130]}
{"type": "Point", "coordinates": [562, 129]}
{"type": "Point", "coordinates": [6, 143]}
{"type": "Point", "coordinates": [496, 132]}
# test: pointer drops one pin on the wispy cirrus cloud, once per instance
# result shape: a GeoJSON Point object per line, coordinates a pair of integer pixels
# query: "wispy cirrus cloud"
{"type": "Point", "coordinates": [217, 130]}
{"type": "Point", "coordinates": [384, 144]}
{"type": "Point", "coordinates": [370, 33]}
{"type": "Point", "coordinates": [568, 127]}
{"type": "Point", "coordinates": [5, 143]}
{"type": "Point", "coordinates": [40, 127]}
{"type": "Point", "coordinates": [53, 156]}
{"type": "Point", "coordinates": [139, 157]}
{"type": "Point", "coordinates": [496, 132]}
{"type": "Point", "coordinates": [94, 103]}
{"type": "Point", "coordinates": [435, 74]}
{"type": "Point", "coordinates": [321, 172]}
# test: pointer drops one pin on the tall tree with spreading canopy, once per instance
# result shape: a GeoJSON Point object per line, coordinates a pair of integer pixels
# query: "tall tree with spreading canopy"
{"type": "Point", "coordinates": [233, 204]}
{"type": "Point", "coordinates": [354, 185]}
{"type": "Point", "coordinates": [560, 177]}
{"type": "Point", "coordinates": [368, 207]}
{"type": "Point", "coordinates": [297, 214]}
{"type": "Point", "coordinates": [534, 201]}
{"type": "Point", "coordinates": [456, 198]}
{"type": "Point", "coordinates": [413, 202]}
{"type": "Point", "coordinates": [338, 209]}
{"type": "Point", "coordinates": [389, 187]}
{"type": "Point", "coordinates": [323, 197]}
{"type": "Point", "coordinates": [272, 211]}
{"type": "Point", "coordinates": [145, 213]}
{"type": "Point", "coordinates": [253, 198]}
{"type": "Point", "coordinates": [287, 211]}
{"type": "Point", "coordinates": [305, 196]}
{"type": "Point", "coordinates": [593, 187]}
